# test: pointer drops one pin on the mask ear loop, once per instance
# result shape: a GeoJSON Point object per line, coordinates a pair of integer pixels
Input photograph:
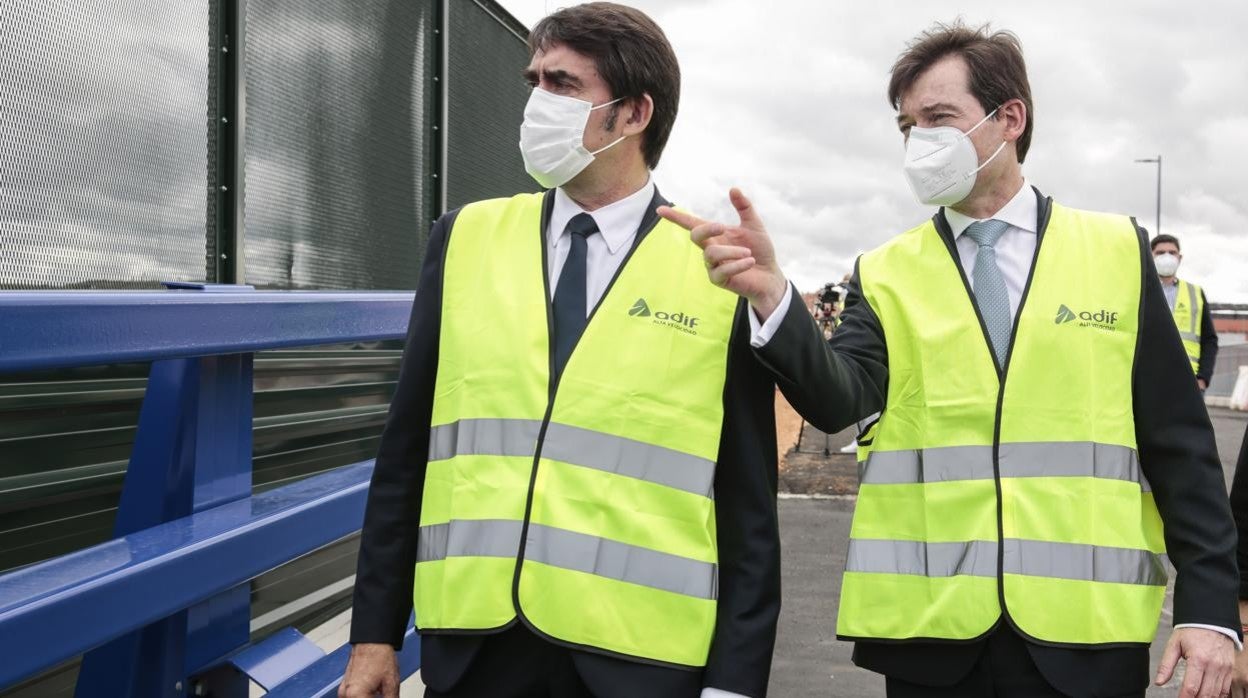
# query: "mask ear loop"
{"type": "Point", "coordinates": [616, 141]}
{"type": "Point", "coordinates": [595, 152]}
{"type": "Point", "coordinates": [981, 121]}
{"type": "Point", "coordinates": [995, 153]}
{"type": "Point", "coordinates": [990, 159]}
{"type": "Point", "coordinates": [606, 104]}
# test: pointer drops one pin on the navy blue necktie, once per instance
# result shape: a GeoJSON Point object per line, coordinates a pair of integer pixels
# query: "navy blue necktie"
{"type": "Point", "coordinates": [569, 306]}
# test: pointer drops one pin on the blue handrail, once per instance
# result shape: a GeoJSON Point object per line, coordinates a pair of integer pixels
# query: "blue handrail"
{"type": "Point", "coordinates": [163, 608]}
{"type": "Point", "coordinates": [57, 329]}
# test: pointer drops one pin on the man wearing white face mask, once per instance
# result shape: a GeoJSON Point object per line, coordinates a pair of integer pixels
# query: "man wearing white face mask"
{"type": "Point", "coordinates": [1036, 427]}
{"type": "Point", "coordinates": [1191, 311]}
{"type": "Point", "coordinates": [586, 508]}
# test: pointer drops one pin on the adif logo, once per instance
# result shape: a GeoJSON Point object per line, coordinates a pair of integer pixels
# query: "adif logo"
{"type": "Point", "coordinates": [1101, 319]}
{"type": "Point", "coordinates": [640, 309]}
{"type": "Point", "coordinates": [680, 321]}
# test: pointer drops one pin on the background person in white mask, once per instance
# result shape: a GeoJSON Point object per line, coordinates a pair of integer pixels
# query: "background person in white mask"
{"type": "Point", "coordinates": [1037, 423]}
{"type": "Point", "coordinates": [587, 507]}
{"type": "Point", "coordinates": [1190, 308]}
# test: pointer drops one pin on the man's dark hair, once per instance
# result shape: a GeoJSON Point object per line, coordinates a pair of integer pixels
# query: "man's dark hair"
{"type": "Point", "coordinates": [632, 55]}
{"type": "Point", "coordinates": [995, 62]}
{"type": "Point", "coordinates": [1164, 238]}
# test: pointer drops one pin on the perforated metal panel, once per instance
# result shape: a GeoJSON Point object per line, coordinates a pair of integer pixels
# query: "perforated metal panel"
{"type": "Point", "coordinates": [103, 151]}
{"type": "Point", "coordinates": [487, 53]}
{"type": "Point", "coordinates": [337, 154]}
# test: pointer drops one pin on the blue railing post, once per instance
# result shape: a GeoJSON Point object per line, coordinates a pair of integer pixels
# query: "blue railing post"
{"type": "Point", "coordinates": [192, 451]}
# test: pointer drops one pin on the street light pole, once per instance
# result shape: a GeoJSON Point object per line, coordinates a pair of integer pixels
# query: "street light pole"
{"type": "Point", "coordinates": [1158, 161]}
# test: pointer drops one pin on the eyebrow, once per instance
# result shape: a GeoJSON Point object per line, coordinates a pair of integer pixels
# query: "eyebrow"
{"type": "Point", "coordinates": [559, 77]}
{"type": "Point", "coordinates": [939, 106]}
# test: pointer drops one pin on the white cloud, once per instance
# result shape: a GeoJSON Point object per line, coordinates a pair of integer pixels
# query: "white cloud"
{"type": "Point", "coordinates": [787, 100]}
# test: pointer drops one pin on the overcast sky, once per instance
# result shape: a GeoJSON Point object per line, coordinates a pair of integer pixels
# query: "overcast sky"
{"type": "Point", "coordinates": [786, 99]}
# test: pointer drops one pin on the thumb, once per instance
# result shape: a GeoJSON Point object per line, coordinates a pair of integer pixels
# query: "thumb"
{"type": "Point", "coordinates": [1169, 658]}
{"type": "Point", "coordinates": [749, 217]}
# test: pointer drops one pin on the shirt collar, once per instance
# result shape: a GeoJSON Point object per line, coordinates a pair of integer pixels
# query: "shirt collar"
{"type": "Point", "coordinates": [1020, 212]}
{"type": "Point", "coordinates": [618, 221]}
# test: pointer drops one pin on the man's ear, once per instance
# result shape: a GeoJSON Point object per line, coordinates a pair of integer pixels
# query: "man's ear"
{"type": "Point", "coordinates": [638, 112]}
{"type": "Point", "coordinates": [1015, 113]}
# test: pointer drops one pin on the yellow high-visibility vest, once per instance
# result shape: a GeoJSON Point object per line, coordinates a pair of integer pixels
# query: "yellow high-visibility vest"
{"type": "Point", "coordinates": [1015, 493]}
{"type": "Point", "coordinates": [1189, 307]}
{"type": "Point", "coordinates": [581, 505]}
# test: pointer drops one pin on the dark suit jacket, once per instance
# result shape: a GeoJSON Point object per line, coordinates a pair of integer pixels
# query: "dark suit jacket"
{"type": "Point", "coordinates": [836, 384]}
{"type": "Point", "coordinates": [1239, 505]}
{"type": "Point", "coordinates": [1208, 342]}
{"type": "Point", "coordinates": [745, 512]}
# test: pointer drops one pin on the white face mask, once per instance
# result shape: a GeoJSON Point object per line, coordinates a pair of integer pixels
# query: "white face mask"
{"type": "Point", "coordinates": [552, 137]}
{"type": "Point", "coordinates": [1167, 264]}
{"type": "Point", "coordinates": [941, 163]}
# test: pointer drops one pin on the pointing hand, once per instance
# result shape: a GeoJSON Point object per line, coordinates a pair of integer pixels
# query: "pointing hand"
{"type": "Point", "coordinates": [738, 257]}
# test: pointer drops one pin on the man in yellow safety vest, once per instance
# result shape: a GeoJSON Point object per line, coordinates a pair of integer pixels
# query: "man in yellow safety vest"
{"type": "Point", "coordinates": [1037, 421]}
{"type": "Point", "coordinates": [1191, 310]}
{"type": "Point", "coordinates": [576, 483]}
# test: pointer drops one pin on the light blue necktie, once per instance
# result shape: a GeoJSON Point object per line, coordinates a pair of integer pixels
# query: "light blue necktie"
{"type": "Point", "coordinates": [989, 285]}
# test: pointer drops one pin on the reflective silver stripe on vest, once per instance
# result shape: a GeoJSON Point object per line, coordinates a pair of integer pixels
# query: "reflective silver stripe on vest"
{"type": "Point", "coordinates": [1071, 459]}
{"type": "Point", "coordinates": [1033, 558]}
{"type": "Point", "coordinates": [577, 446]}
{"type": "Point", "coordinates": [569, 550]}
{"type": "Point", "coordinates": [1044, 459]}
{"type": "Point", "coordinates": [484, 437]}
{"type": "Point", "coordinates": [977, 558]}
{"type": "Point", "coordinates": [1092, 563]}
{"type": "Point", "coordinates": [620, 561]}
{"type": "Point", "coordinates": [928, 465]}
{"type": "Point", "coordinates": [1191, 310]}
{"type": "Point", "coordinates": [469, 538]}
{"type": "Point", "coordinates": [635, 459]}
{"type": "Point", "coordinates": [1189, 337]}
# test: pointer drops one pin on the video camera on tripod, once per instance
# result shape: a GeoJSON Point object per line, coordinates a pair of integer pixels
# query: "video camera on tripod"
{"type": "Point", "coordinates": [829, 296]}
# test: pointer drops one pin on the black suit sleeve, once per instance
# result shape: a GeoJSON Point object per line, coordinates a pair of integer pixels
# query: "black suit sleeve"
{"type": "Point", "coordinates": [1239, 506]}
{"type": "Point", "coordinates": [830, 384]}
{"type": "Point", "coordinates": [1179, 457]}
{"type": "Point", "coordinates": [386, 567]}
{"type": "Point", "coordinates": [1208, 343]}
{"type": "Point", "coordinates": [747, 525]}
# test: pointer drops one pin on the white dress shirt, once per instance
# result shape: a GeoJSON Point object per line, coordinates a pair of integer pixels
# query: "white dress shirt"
{"type": "Point", "coordinates": [1171, 290]}
{"type": "Point", "coordinates": [1015, 250]}
{"type": "Point", "coordinates": [604, 252]}
{"type": "Point", "coordinates": [617, 228]}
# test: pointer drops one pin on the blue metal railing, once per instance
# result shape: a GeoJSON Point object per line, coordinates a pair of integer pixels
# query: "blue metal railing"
{"type": "Point", "coordinates": [163, 609]}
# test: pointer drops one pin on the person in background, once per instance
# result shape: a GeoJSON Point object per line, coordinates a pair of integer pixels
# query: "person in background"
{"type": "Point", "coordinates": [1039, 447]}
{"type": "Point", "coordinates": [827, 309]}
{"type": "Point", "coordinates": [589, 507]}
{"type": "Point", "coordinates": [1191, 310]}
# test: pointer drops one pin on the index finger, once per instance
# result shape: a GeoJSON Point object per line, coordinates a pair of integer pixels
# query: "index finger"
{"type": "Point", "coordinates": [684, 219]}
